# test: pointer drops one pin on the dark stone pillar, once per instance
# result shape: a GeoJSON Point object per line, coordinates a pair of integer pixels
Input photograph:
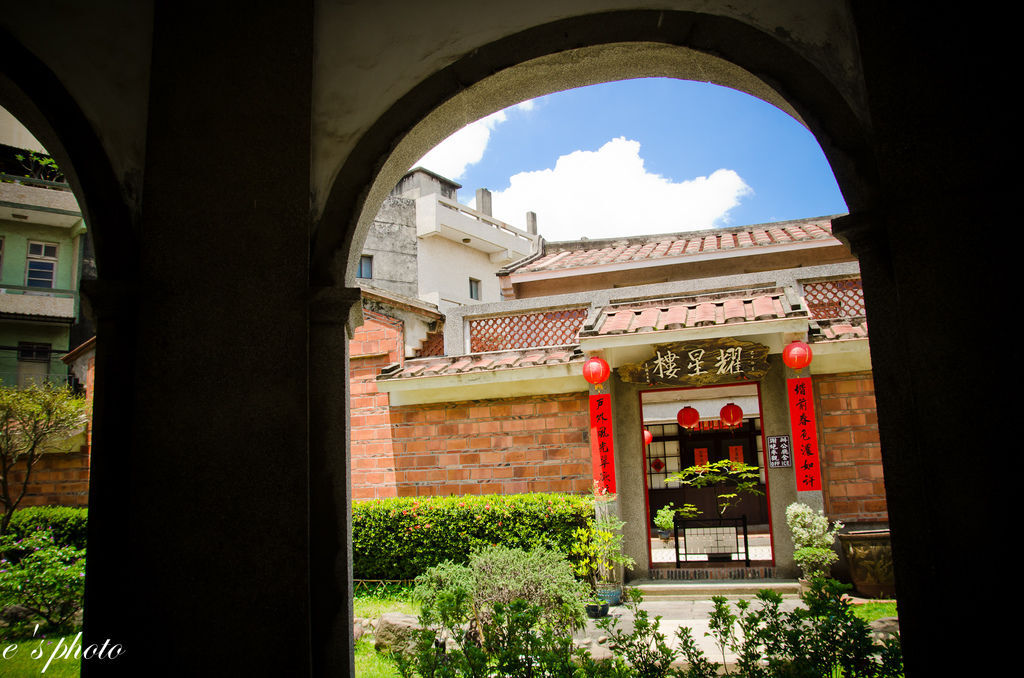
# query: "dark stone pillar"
{"type": "Point", "coordinates": [209, 544]}
{"type": "Point", "coordinates": [931, 283]}
{"type": "Point", "coordinates": [331, 309]}
{"type": "Point", "coordinates": [110, 565]}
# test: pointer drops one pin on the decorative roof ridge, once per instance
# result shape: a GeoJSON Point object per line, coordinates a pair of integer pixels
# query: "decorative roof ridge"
{"type": "Point", "coordinates": [746, 293]}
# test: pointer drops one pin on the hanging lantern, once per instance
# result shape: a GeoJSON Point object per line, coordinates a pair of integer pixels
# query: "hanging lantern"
{"type": "Point", "coordinates": [648, 437]}
{"type": "Point", "coordinates": [797, 355]}
{"type": "Point", "coordinates": [732, 415]}
{"type": "Point", "coordinates": [596, 370]}
{"type": "Point", "coordinates": [688, 417]}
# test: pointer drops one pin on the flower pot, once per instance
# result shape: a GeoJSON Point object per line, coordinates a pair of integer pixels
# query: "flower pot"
{"type": "Point", "coordinates": [610, 592]}
{"type": "Point", "coordinates": [664, 535]}
{"type": "Point", "coordinates": [869, 553]}
{"type": "Point", "coordinates": [596, 611]}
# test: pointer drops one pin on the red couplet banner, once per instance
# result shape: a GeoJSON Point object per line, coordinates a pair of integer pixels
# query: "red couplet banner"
{"type": "Point", "coordinates": [806, 461]}
{"type": "Point", "coordinates": [602, 443]}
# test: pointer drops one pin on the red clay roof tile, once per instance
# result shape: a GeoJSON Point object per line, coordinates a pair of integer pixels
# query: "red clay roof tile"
{"type": "Point", "coordinates": [658, 247]}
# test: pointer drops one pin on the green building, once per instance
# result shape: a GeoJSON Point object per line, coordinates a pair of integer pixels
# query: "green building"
{"type": "Point", "coordinates": [41, 245]}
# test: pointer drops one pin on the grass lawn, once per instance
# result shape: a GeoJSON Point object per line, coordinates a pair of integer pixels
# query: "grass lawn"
{"type": "Point", "coordinates": [371, 664]}
{"type": "Point", "coordinates": [31, 656]}
{"type": "Point", "coordinates": [370, 605]}
{"type": "Point", "coordinates": [872, 611]}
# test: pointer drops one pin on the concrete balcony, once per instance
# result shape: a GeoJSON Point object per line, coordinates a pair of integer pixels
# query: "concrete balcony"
{"type": "Point", "coordinates": [38, 202]}
{"type": "Point", "coordinates": [38, 303]}
{"type": "Point", "coordinates": [441, 217]}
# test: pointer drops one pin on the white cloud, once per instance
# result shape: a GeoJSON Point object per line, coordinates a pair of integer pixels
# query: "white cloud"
{"type": "Point", "coordinates": [608, 193]}
{"type": "Point", "coordinates": [466, 147]}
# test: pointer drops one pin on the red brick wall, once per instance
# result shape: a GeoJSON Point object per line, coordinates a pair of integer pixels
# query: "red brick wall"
{"type": "Point", "coordinates": [61, 479]}
{"type": "Point", "coordinates": [501, 446]}
{"type": "Point", "coordinates": [851, 454]}
{"type": "Point", "coordinates": [377, 344]}
{"type": "Point", "coordinates": [57, 480]}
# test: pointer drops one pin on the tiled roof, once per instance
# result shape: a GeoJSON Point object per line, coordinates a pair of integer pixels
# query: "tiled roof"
{"type": "Point", "coordinates": [839, 330]}
{"type": "Point", "coordinates": [698, 313]}
{"type": "Point", "coordinates": [680, 245]}
{"type": "Point", "coordinates": [482, 362]}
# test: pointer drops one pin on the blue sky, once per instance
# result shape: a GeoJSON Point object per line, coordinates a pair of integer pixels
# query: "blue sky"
{"type": "Point", "coordinates": [641, 156]}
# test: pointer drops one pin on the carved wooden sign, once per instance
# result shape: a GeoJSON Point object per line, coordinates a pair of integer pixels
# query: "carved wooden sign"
{"type": "Point", "coordinates": [699, 363]}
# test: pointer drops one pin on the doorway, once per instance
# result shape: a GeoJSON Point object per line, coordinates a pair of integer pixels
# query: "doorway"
{"type": "Point", "coordinates": [674, 448]}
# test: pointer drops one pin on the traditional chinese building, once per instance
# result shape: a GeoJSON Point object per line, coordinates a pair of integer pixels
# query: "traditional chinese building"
{"type": "Point", "coordinates": [694, 321]}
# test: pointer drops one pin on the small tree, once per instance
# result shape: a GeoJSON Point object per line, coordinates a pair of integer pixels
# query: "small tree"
{"type": "Point", "coordinates": [40, 166]}
{"type": "Point", "coordinates": [33, 421]}
{"type": "Point", "coordinates": [737, 477]}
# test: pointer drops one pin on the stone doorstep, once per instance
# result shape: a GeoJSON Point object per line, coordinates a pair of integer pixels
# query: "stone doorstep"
{"type": "Point", "coordinates": [670, 589]}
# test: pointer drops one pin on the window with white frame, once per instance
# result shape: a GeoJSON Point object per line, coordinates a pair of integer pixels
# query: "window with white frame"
{"type": "Point", "coordinates": [41, 267]}
{"type": "Point", "coordinates": [474, 289]}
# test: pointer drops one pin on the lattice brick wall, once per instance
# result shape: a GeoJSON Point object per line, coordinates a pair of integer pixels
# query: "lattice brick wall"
{"type": "Point", "coordinates": [835, 299]}
{"type": "Point", "coordinates": [550, 328]}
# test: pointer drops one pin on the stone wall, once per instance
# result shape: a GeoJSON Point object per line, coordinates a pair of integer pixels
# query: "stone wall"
{"type": "Point", "coordinates": [851, 453]}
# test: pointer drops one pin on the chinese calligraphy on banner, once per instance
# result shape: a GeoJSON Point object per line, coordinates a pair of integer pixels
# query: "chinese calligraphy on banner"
{"type": "Point", "coordinates": [700, 363]}
{"type": "Point", "coordinates": [805, 434]}
{"type": "Point", "coordinates": [601, 443]}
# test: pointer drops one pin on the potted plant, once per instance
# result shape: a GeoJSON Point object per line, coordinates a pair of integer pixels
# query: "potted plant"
{"type": "Point", "coordinates": [812, 540]}
{"type": "Point", "coordinates": [869, 554]}
{"type": "Point", "coordinates": [598, 557]}
{"type": "Point", "coordinates": [664, 519]}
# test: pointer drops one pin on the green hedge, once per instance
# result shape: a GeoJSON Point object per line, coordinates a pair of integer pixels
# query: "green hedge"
{"type": "Point", "coordinates": [400, 538]}
{"type": "Point", "coordinates": [69, 524]}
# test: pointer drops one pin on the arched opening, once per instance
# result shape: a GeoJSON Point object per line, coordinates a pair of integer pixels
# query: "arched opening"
{"type": "Point", "coordinates": [574, 53]}
{"type": "Point", "coordinates": [494, 78]}
{"type": "Point", "coordinates": [34, 96]}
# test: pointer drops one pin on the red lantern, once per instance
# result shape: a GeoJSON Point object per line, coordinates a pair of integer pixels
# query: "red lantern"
{"type": "Point", "coordinates": [732, 415]}
{"type": "Point", "coordinates": [596, 370]}
{"type": "Point", "coordinates": [797, 355]}
{"type": "Point", "coordinates": [648, 437]}
{"type": "Point", "coordinates": [688, 417]}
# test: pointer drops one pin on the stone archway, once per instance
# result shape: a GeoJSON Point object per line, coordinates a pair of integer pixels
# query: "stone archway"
{"type": "Point", "coordinates": [34, 95]}
{"type": "Point", "coordinates": [570, 53]}
{"type": "Point", "coordinates": [573, 53]}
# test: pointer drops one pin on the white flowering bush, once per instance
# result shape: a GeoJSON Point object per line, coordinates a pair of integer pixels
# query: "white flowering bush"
{"type": "Point", "coordinates": [813, 539]}
{"type": "Point", "coordinates": [46, 579]}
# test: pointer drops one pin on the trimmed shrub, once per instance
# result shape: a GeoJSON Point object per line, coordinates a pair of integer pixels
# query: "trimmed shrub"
{"type": "Point", "coordinates": [400, 538]}
{"type": "Point", "coordinates": [47, 579]}
{"type": "Point", "coordinates": [68, 524]}
{"type": "Point", "coordinates": [813, 539]}
{"type": "Point", "coordinates": [497, 575]}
